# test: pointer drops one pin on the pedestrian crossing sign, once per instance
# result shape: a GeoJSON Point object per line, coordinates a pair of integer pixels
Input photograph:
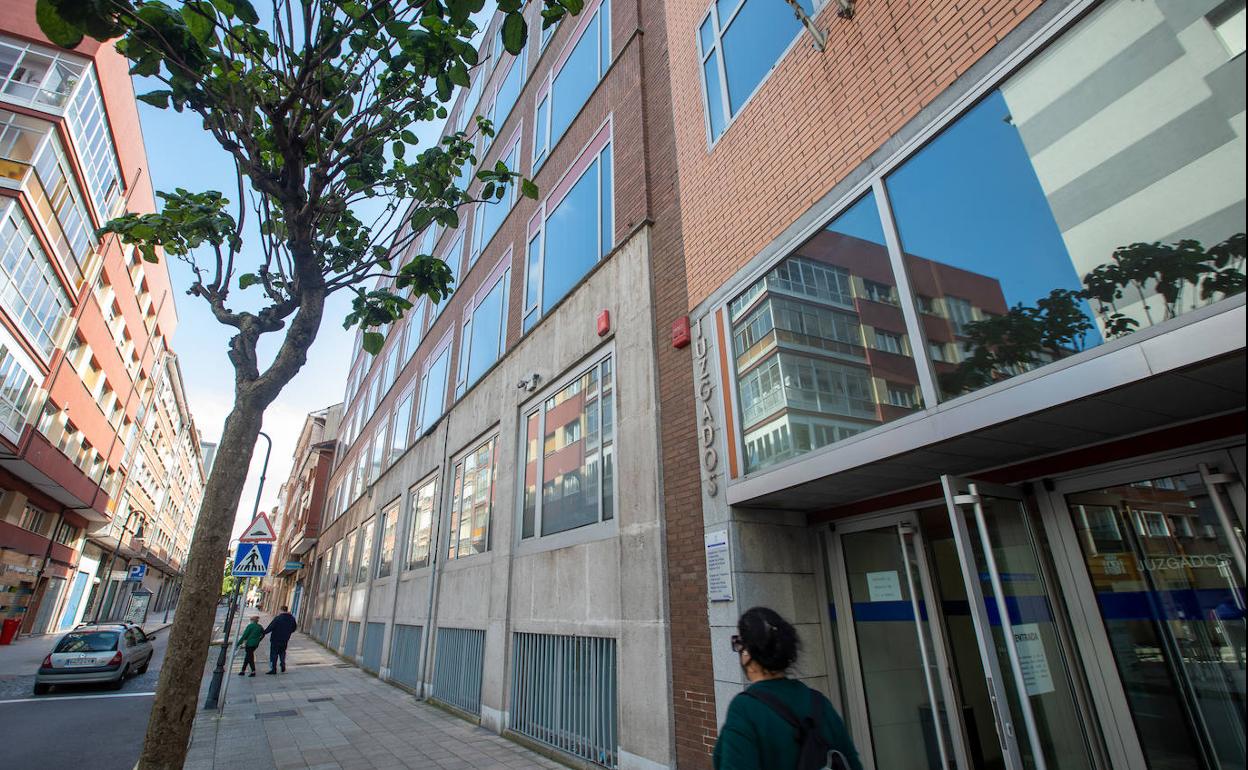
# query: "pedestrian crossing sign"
{"type": "Point", "coordinates": [252, 559]}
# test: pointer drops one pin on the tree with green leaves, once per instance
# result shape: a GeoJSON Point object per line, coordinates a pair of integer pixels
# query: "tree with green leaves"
{"type": "Point", "coordinates": [315, 105]}
{"type": "Point", "coordinates": [1001, 346]}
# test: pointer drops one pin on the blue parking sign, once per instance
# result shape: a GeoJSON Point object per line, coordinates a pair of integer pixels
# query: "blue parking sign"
{"type": "Point", "coordinates": [136, 573]}
{"type": "Point", "coordinates": [252, 559]}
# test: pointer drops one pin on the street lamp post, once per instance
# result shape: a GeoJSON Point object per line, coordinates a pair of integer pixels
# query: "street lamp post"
{"type": "Point", "coordinates": [138, 535]}
{"type": "Point", "coordinates": [218, 673]}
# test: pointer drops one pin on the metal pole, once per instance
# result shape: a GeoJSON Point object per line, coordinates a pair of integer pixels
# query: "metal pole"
{"type": "Point", "coordinates": [214, 687]}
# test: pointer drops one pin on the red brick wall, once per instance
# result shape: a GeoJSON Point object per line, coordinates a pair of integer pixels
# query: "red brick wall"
{"type": "Point", "coordinates": [816, 118]}
{"type": "Point", "coordinates": [693, 685]}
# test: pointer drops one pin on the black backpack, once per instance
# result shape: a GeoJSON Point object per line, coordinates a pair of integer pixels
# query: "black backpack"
{"type": "Point", "coordinates": [814, 751]}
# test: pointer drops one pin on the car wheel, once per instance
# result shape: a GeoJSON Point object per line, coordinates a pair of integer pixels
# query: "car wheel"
{"type": "Point", "coordinates": [143, 668]}
{"type": "Point", "coordinates": [41, 688]}
{"type": "Point", "coordinates": [117, 683]}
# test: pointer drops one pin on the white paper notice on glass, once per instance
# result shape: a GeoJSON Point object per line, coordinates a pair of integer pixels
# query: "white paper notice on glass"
{"type": "Point", "coordinates": [718, 567]}
{"type": "Point", "coordinates": [1031, 659]}
{"type": "Point", "coordinates": [884, 586]}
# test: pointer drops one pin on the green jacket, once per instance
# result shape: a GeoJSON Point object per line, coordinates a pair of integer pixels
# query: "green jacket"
{"type": "Point", "coordinates": [755, 737]}
{"type": "Point", "coordinates": [251, 636]}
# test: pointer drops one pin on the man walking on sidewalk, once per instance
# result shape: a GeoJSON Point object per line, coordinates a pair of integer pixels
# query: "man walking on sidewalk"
{"type": "Point", "coordinates": [250, 640]}
{"type": "Point", "coordinates": [279, 631]}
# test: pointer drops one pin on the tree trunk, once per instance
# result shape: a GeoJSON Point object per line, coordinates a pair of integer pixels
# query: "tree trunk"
{"type": "Point", "coordinates": [177, 694]}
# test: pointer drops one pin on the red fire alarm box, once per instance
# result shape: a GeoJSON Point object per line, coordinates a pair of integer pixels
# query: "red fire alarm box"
{"type": "Point", "coordinates": [604, 322]}
{"type": "Point", "coordinates": [680, 332]}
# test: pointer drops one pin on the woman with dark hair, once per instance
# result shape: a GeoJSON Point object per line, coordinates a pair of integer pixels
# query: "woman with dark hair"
{"type": "Point", "coordinates": [777, 722]}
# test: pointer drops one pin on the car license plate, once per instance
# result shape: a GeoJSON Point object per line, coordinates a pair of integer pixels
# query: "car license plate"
{"type": "Point", "coordinates": [80, 662]}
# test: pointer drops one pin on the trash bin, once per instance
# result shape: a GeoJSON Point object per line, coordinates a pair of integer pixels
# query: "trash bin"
{"type": "Point", "coordinates": [8, 630]}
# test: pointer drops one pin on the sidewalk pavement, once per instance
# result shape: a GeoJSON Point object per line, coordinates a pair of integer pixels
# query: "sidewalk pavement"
{"type": "Point", "coordinates": [23, 656]}
{"type": "Point", "coordinates": [325, 714]}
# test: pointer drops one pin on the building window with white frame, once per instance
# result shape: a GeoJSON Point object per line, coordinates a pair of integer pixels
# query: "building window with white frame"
{"type": "Point", "coordinates": [739, 42]}
{"type": "Point", "coordinates": [570, 484]}
{"type": "Point", "coordinates": [490, 214]}
{"type": "Point", "coordinates": [387, 524]}
{"type": "Point", "coordinates": [421, 502]}
{"type": "Point", "coordinates": [433, 388]}
{"type": "Point", "coordinates": [564, 244]}
{"type": "Point", "coordinates": [472, 501]}
{"type": "Point", "coordinates": [484, 337]}
{"type": "Point", "coordinates": [364, 552]}
{"type": "Point", "coordinates": [30, 290]}
{"type": "Point", "coordinates": [400, 428]}
{"type": "Point", "coordinates": [573, 78]}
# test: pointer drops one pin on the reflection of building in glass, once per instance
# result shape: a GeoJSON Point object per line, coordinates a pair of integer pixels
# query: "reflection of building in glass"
{"type": "Point", "coordinates": [821, 346]}
{"type": "Point", "coordinates": [576, 427]}
{"type": "Point", "coordinates": [1141, 141]}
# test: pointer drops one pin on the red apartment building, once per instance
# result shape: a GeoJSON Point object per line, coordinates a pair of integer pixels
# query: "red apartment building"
{"type": "Point", "coordinates": [84, 337]}
{"type": "Point", "coordinates": [301, 506]}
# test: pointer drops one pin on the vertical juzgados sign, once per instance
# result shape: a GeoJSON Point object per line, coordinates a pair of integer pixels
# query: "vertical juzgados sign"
{"type": "Point", "coordinates": [706, 412]}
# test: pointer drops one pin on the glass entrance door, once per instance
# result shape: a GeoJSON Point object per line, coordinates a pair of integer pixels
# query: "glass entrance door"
{"type": "Point", "coordinates": [1162, 548]}
{"type": "Point", "coordinates": [898, 688]}
{"type": "Point", "coordinates": [1030, 687]}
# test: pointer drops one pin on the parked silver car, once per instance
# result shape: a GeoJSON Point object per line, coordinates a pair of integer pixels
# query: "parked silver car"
{"type": "Point", "coordinates": [107, 652]}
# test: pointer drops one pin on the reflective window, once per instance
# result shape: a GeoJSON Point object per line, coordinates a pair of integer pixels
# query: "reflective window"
{"type": "Point", "coordinates": [399, 428]}
{"type": "Point", "coordinates": [490, 215]}
{"type": "Point", "coordinates": [420, 523]}
{"type": "Point", "coordinates": [364, 552]}
{"type": "Point", "coordinates": [377, 460]}
{"type": "Point", "coordinates": [485, 334]}
{"type": "Point", "coordinates": [806, 375]}
{"type": "Point", "coordinates": [454, 258]}
{"type": "Point", "coordinates": [576, 78]}
{"type": "Point", "coordinates": [740, 41]}
{"type": "Point", "coordinates": [19, 388]}
{"type": "Point", "coordinates": [1099, 190]}
{"type": "Point", "coordinates": [569, 447]}
{"type": "Point", "coordinates": [90, 131]}
{"type": "Point", "coordinates": [60, 206]}
{"type": "Point", "coordinates": [38, 76]}
{"type": "Point", "coordinates": [30, 290]}
{"type": "Point", "coordinates": [415, 329]}
{"type": "Point", "coordinates": [433, 390]}
{"type": "Point", "coordinates": [508, 92]}
{"type": "Point", "coordinates": [472, 502]}
{"type": "Point", "coordinates": [350, 555]}
{"type": "Point", "coordinates": [576, 234]}
{"type": "Point", "coordinates": [1172, 601]}
{"type": "Point", "coordinates": [385, 545]}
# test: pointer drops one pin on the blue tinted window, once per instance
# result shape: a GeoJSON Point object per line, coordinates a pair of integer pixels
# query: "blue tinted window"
{"type": "Point", "coordinates": [487, 332]}
{"type": "Point", "coordinates": [540, 145]}
{"type": "Point", "coordinates": [714, 96]}
{"type": "Point", "coordinates": [572, 247]}
{"type": "Point", "coordinates": [606, 197]}
{"type": "Point", "coordinates": [534, 271]}
{"type": "Point", "coordinates": [508, 92]}
{"type": "Point", "coordinates": [753, 43]}
{"type": "Point", "coordinates": [433, 399]}
{"type": "Point", "coordinates": [753, 34]}
{"type": "Point", "coordinates": [579, 75]}
{"type": "Point", "coordinates": [980, 238]}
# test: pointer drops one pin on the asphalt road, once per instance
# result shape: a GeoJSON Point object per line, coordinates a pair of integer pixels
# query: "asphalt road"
{"type": "Point", "coordinates": [77, 726]}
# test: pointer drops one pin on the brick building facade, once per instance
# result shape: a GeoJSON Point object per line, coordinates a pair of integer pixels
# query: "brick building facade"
{"type": "Point", "coordinates": [870, 305]}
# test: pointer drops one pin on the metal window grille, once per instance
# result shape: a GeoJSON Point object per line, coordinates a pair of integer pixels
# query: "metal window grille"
{"type": "Point", "coordinates": [374, 633]}
{"type": "Point", "coordinates": [353, 636]}
{"type": "Point", "coordinates": [335, 634]}
{"type": "Point", "coordinates": [405, 654]}
{"type": "Point", "coordinates": [457, 668]}
{"type": "Point", "coordinates": [563, 693]}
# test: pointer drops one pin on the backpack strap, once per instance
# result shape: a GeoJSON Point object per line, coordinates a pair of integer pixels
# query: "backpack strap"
{"type": "Point", "coordinates": [776, 705]}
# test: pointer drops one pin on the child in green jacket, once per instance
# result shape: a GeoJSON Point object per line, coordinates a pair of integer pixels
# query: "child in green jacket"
{"type": "Point", "coordinates": [250, 640]}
